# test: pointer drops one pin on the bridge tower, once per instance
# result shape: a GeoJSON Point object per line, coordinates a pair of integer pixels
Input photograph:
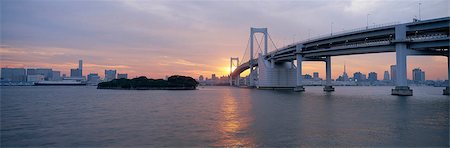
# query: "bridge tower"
{"type": "Point", "coordinates": [252, 32]}
{"type": "Point", "coordinates": [236, 60]}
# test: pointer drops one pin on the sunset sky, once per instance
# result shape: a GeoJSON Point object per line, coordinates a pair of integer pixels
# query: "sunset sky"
{"type": "Point", "coordinates": [159, 38]}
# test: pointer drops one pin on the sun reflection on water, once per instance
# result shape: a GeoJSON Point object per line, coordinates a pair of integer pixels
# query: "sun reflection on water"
{"type": "Point", "coordinates": [232, 125]}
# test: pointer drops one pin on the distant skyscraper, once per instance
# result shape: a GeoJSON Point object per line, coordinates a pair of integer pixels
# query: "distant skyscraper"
{"type": "Point", "coordinates": [110, 75]}
{"type": "Point", "coordinates": [373, 76]}
{"type": "Point", "coordinates": [418, 75]}
{"type": "Point", "coordinates": [316, 75]}
{"type": "Point", "coordinates": [393, 73]}
{"type": "Point", "coordinates": [80, 67]}
{"type": "Point", "coordinates": [358, 76]}
{"type": "Point", "coordinates": [75, 73]}
{"type": "Point", "coordinates": [344, 75]}
{"type": "Point", "coordinates": [213, 77]}
{"type": "Point", "coordinates": [13, 74]}
{"type": "Point", "coordinates": [122, 75]}
{"type": "Point", "coordinates": [386, 76]}
{"type": "Point", "coordinates": [200, 78]}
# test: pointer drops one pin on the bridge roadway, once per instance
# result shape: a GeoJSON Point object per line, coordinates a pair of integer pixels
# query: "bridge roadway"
{"type": "Point", "coordinates": [426, 37]}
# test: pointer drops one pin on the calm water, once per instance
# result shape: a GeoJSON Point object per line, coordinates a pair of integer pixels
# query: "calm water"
{"type": "Point", "coordinates": [222, 116]}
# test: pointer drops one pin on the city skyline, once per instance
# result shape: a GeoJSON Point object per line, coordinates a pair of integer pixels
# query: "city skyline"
{"type": "Point", "coordinates": [207, 38]}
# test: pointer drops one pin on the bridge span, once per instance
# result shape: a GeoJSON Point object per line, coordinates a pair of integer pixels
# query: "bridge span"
{"type": "Point", "coordinates": [276, 69]}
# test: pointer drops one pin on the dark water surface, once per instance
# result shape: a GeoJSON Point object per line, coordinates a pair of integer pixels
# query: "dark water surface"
{"type": "Point", "coordinates": [222, 116]}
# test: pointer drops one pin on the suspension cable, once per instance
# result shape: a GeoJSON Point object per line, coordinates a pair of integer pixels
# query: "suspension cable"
{"type": "Point", "coordinates": [273, 43]}
{"type": "Point", "coordinates": [246, 48]}
{"type": "Point", "coordinates": [259, 45]}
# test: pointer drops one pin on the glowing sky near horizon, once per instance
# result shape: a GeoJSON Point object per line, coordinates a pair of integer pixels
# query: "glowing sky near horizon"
{"type": "Point", "coordinates": [159, 38]}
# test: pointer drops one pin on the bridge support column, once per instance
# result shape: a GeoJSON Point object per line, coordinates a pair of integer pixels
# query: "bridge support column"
{"type": "Point", "coordinates": [447, 89]}
{"type": "Point", "coordinates": [299, 85]}
{"type": "Point", "coordinates": [328, 87]}
{"type": "Point", "coordinates": [238, 80]}
{"type": "Point", "coordinates": [401, 88]}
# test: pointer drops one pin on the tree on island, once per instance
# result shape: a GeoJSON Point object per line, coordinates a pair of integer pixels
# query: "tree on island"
{"type": "Point", "coordinates": [175, 82]}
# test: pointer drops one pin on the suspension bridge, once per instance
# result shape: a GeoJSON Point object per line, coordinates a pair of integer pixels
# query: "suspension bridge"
{"type": "Point", "coordinates": [276, 69]}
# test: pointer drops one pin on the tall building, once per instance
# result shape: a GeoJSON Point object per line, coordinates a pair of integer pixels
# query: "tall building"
{"type": "Point", "coordinates": [31, 71]}
{"type": "Point", "coordinates": [373, 77]}
{"type": "Point", "coordinates": [122, 75]}
{"type": "Point", "coordinates": [200, 78]}
{"type": "Point", "coordinates": [307, 76]}
{"type": "Point", "coordinates": [316, 75]}
{"type": "Point", "coordinates": [93, 78]}
{"type": "Point", "coordinates": [344, 75]}
{"type": "Point", "coordinates": [213, 77]}
{"type": "Point", "coordinates": [56, 76]}
{"type": "Point", "coordinates": [80, 67]}
{"type": "Point", "coordinates": [75, 73]}
{"type": "Point", "coordinates": [13, 74]}
{"type": "Point", "coordinates": [357, 76]}
{"type": "Point", "coordinates": [386, 76]}
{"type": "Point", "coordinates": [110, 75]}
{"type": "Point", "coordinates": [423, 76]}
{"type": "Point", "coordinates": [393, 73]}
{"type": "Point", "coordinates": [418, 75]}
{"type": "Point", "coordinates": [46, 72]}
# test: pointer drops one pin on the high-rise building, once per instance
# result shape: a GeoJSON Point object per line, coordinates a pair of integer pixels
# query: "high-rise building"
{"type": "Point", "coordinates": [13, 74]}
{"type": "Point", "coordinates": [93, 78]}
{"type": "Point", "coordinates": [357, 76]}
{"type": "Point", "coordinates": [344, 75]}
{"type": "Point", "coordinates": [110, 75]}
{"type": "Point", "coordinates": [316, 75]}
{"type": "Point", "coordinates": [200, 78]}
{"type": "Point", "coordinates": [373, 77]}
{"type": "Point", "coordinates": [423, 76]}
{"type": "Point", "coordinates": [46, 72]}
{"type": "Point", "coordinates": [75, 73]}
{"type": "Point", "coordinates": [213, 77]}
{"type": "Point", "coordinates": [386, 76]}
{"type": "Point", "coordinates": [31, 71]}
{"type": "Point", "coordinates": [122, 75]}
{"type": "Point", "coordinates": [418, 75]}
{"type": "Point", "coordinates": [56, 75]}
{"type": "Point", "coordinates": [80, 67]}
{"type": "Point", "coordinates": [307, 76]}
{"type": "Point", "coordinates": [393, 73]}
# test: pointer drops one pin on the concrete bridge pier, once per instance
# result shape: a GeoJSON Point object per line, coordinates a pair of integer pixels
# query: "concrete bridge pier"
{"type": "Point", "coordinates": [447, 89]}
{"type": "Point", "coordinates": [299, 85]}
{"type": "Point", "coordinates": [401, 50]}
{"type": "Point", "coordinates": [328, 87]}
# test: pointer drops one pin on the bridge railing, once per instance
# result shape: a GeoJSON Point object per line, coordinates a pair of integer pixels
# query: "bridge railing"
{"type": "Point", "coordinates": [341, 32]}
{"type": "Point", "coordinates": [427, 36]}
